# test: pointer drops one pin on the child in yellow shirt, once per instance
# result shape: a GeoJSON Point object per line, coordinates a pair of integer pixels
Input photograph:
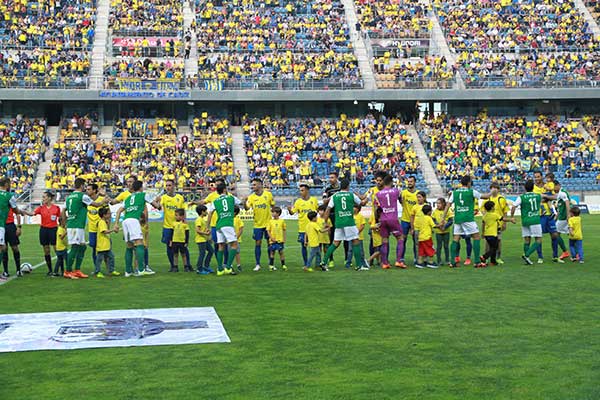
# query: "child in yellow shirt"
{"type": "Point", "coordinates": [180, 240]}
{"type": "Point", "coordinates": [202, 239]}
{"type": "Point", "coordinates": [360, 222]}
{"type": "Point", "coordinates": [442, 232]}
{"type": "Point", "coordinates": [376, 236]}
{"type": "Point", "coordinates": [426, 251]}
{"type": "Point", "coordinates": [238, 225]}
{"type": "Point", "coordinates": [276, 230]}
{"type": "Point", "coordinates": [576, 235]}
{"type": "Point", "coordinates": [104, 245]}
{"type": "Point", "coordinates": [324, 227]}
{"type": "Point", "coordinates": [61, 247]}
{"type": "Point", "coordinates": [489, 227]}
{"type": "Point", "coordinates": [312, 240]}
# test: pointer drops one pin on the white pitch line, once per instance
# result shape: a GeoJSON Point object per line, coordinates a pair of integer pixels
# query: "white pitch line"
{"type": "Point", "coordinates": [33, 267]}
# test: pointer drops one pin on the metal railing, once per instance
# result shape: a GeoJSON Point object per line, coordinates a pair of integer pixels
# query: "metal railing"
{"type": "Point", "coordinates": [527, 83]}
{"type": "Point", "coordinates": [144, 31]}
{"type": "Point", "coordinates": [42, 83]}
{"type": "Point", "coordinates": [393, 34]}
{"type": "Point", "coordinates": [276, 84]}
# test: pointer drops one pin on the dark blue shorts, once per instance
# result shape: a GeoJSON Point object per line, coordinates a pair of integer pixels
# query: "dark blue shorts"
{"type": "Point", "coordinates": [260, 234]}
{"type": "Point", "coordinates": [92, 236]}
{"type": "Point", "coordinates": [276, 247]}
{"type": "Point", "coordinates": [548, 224]}
{"type": "Point", "coordinates": [301, 237]}
{"type": "Point", "coordinates": [167, 235]}
{"type": "Point", "coordinates": [405, 227]}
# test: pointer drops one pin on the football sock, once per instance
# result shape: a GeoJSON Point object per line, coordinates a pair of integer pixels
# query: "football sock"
{"type": "Point", "coordinates": [384, 252]}
{"type": "Point", "coordinates": [79, 257]}
{"type": "Point", "coordinates": [477, 249]}
{"type": "Point", "coordinates": [129, 260]}
{"type": "Point", "coordinates": [220, 260]}
{"type": "Point", "coordinates": [257, 253]}
{"type": "Point", "coordinates": [48, 260]}
{"type": "Point", "coordinates": [561, 243]}
{"type": "Point", "coordinates": [139, 251]}
{"type": "Point", "coordinates": [534, 247]}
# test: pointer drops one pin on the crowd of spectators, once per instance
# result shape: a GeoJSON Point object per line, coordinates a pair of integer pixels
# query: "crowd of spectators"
{"type": "Point", "coordinates": [191, 166]}
{"type": "Point", "coordinates": [44, 68]}
{"type": "Point", "coordinates": [147, 47]}
{"type": "Point", "coordinates": [530, 69]}
{"type": "Point", "coordinates": [23, 146]}
{"type": "Point", "coordinates": [300, 40]}
{"type": "Point", "coordinates": [287, 151]}
{"type": "Point", "coordinates": [280, 66]}
{"type": "Point", "coordinates": [128, 69]}
{"type": "Point", "coordinates": [144, 128]}
{"type": "Point", "coordinates": [79, 126]}
{"type": "Point", "coordinates": [394, 19]}
{"type": "Point", "coordinates": [503, 149]}
{"type": "Point", "coordinates": [508, 25]}
{"type": "Point", "coordinates": [146, 17]}
{"type": "Point", "coordinates": [399, 73]}
{"type": "Point", "coordinates": [59, 25]}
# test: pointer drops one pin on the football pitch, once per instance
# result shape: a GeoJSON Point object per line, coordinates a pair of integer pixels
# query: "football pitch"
{"type": "Point", "coordinates": [515, 331]}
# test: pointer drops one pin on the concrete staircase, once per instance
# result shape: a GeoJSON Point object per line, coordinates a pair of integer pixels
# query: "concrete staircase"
{"type": "Point", "coordinates": [438, 45]}
{"type": "Point", "coordinates": [189, 15]}
{"type": "Point", "coordinates": [360, 48]}
{"type": "Point", "coordinates": [39, 184]}
{"type": "Point", "coordinates": [433, 184]}
{"type": "Point", "coordinates": [587, 136]}
{"type": "Point", "coordinates": [588, 17]}
{"type": "Point", "coordinates": [106, 133]}
{"type": "Point", "coordinates": [99, 48]}
{"type": "Point", "coordinates": [240, 162]}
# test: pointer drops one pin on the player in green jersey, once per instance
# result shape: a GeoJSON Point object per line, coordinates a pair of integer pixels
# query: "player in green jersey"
{"type": "Point", "coordinates": [342, 203]}
{"type": "Point", "coordinates": [223, 206]}
{"type": "Point", "coordinates": [134, 207]}
{"type": "Point", "coordinates": [531, 227]}
{"type": "Point", "coordinates": [563, 203]}
{"type": "Point", "coordinates": [75, 213]}
{"type": "Point", "coordinates": [464, 199]}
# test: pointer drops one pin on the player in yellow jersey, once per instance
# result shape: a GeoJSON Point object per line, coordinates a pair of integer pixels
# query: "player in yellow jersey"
{"type": "Point", "coordinates": [260, 201]}
{"type": "Point", "coordinates": [305, 204]}
{"type": "Point", "coordinates": [408, 200]}
{"type": "Point", "coordinates": [93, 218]}
{"type": "Point", "coordinates": [168, 203]}
{"type": "Point", "coordinates": [276, 230]}
{"type": "Point", "coordinates": [125, 193]}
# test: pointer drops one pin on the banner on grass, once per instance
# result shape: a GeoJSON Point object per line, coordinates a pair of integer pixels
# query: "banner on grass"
{"type": "Point", "coordinates": [115, 328]}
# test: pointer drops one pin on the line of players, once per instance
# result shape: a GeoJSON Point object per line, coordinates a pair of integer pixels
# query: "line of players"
{"type": "Point", "coordinates": [338, 215]}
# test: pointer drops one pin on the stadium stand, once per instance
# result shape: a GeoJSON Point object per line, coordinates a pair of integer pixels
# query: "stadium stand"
{"type": "Point", "coordinates": [520, 44]}
{"type": "Point", "coordinates": [147, 47]}
{"type": "Point", "coordinates": [142, 149]}
{"type": "Point", "coordinates": [285, 152]}
{"type": "Point", "coordinates": [505, 149]}
{"type": "Point", "coordinates": [22, 150]}
{"type": "Point", "coordinates": [46, 45]}
{"type": "Point", "coordinates": [399, 38]}
{"type": "Point", "coordinates": [267, 45]}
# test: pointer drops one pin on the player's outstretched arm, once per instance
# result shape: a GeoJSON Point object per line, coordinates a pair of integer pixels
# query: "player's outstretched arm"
{"type": "Point", "coordinates": [118, 218]}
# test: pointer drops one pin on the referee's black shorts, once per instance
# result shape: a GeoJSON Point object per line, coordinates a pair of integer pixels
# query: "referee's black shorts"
{"type": "Point", "coordinates": [48, 236]}
{"type": "Point", "coordinates": [10, 235]}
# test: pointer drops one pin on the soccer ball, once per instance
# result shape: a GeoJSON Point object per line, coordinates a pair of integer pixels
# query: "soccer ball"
{"type": "Point", "coordinates": [26, 268]}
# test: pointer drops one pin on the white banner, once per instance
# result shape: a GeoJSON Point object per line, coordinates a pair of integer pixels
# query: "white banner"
{"type": "Point", "coordinates": [115, 328]}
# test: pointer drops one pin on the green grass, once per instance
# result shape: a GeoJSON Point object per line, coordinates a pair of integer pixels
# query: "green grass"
{"type": "Point", "coordinates": [512, 332]}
